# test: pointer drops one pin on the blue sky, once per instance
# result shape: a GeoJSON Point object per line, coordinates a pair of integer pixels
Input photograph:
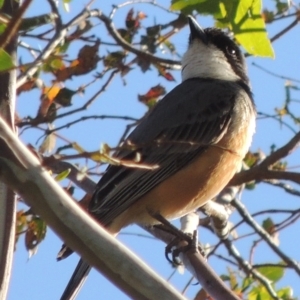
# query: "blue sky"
{"type": "Point", "coordinates": [41, 277]}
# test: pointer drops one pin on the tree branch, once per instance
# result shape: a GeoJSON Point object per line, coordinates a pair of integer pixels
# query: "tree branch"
{"type": "Point", "coordinates": [248, 269]}
{"type": "Point", "coordinates": [262, 171]}
{"type": "Point", "coordinates": [264, 235]}
{"type": "Point", "coordinates": [24, 174]}
{"type": "Point", "coordinates": [167, 63]}
{"type": "Point", "coordinates": [7, 111]}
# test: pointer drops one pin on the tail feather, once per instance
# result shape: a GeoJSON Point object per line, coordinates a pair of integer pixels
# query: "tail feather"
{"type": "Point", "coordinates": [77, 280]}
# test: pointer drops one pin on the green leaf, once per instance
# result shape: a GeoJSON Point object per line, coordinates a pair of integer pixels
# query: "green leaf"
{"type": "Point", "coordinates": [1, 3]}
{"type": "Point", "coordinates": [35, 233]}
{"type": "Point", "coordinates": [61, 176]}
{"type": "Point", "coordinates": [243, 17]}
{"type": "Point", "coordinates": [285, 293]}
{"type": "Point", "coordinates": [268, 225]}
{"type": "Point", "coordinates": [206, 7]}
{"type": "Point", "coordinates": [273, 273]}
{"type": "Point", "coordinates": [181, 4]}
{"type": "Point", "coordinates": [2, 27]}
{"type": "Point", "coordinates": [6, 61]}
{"type": "Point", "coordinates": [225, 277]}
{"type": "Point", "coordinates": [259, 293]}
{"type": "Point", "coordinates": [247, 282]}
{"type": "Point", "coordinates": [249, 27]}
{"type": "Point", "coordinates": [66, 5]}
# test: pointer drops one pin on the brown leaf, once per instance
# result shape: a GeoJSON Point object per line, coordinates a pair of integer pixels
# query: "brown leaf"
{"type": "Point", "coordinates": [27, 86]}
{"type": "Point", "coordinates": [131, 22]}
{"type": "Point", "coordinates": [21, 223]}
{"type": "Point", "coordinates": [162, 71]}
{"type": "Point", "coordinates": [86, 61]}
{"type": "Point", "coordinates": [151, 97]}
{"type": "Point", "coordinates": [203, 295]}
{"type": "Point", "coordinates": [64, 97]}
{"type": "Point", "coordinates": [47, 97]}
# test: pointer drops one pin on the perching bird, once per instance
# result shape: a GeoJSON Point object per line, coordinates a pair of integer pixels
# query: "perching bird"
{"type": "Point", "coordinates": [196, 136]}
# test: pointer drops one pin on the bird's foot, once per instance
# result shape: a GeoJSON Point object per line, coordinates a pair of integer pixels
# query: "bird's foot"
{"type": "Point", "coordinates": [181, 243]}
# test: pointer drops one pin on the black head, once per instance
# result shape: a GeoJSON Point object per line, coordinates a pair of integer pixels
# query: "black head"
{"type": "Point", "coordinates": [214, 54]}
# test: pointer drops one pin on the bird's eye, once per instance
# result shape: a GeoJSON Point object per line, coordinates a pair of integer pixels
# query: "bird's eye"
{"type": "Point", "coordinates": [231, 51]}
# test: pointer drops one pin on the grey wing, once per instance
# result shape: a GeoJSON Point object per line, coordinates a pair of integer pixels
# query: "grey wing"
{"type": "Point", "coordinates": [183, 124]}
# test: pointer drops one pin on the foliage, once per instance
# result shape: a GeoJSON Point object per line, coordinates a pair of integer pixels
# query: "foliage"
{"type": "Point", "coordinates": [76, 59]}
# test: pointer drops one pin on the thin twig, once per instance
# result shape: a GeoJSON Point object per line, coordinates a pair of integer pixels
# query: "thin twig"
{"type": "Point", "coordinates": [67, 125]}
{"type": "Point", "coordinates": [167, 63]}
{"type": "Point", "coordinates": [248, 269]}
{"type": "Point", "coordinates": [274, 74]}
{"type": "Point", "coordinates": [285, 30]}
{"type": "Point", "coordinates": [264, 235]}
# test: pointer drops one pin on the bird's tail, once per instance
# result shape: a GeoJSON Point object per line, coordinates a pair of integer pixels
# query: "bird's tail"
{"type": "Point", "coordinates": [75, 283]}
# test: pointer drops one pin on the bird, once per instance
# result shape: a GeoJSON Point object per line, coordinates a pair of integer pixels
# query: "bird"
{"type": "Point", "coordinates": [195, 138]}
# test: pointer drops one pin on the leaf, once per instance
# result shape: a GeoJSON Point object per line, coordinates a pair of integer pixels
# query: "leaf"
{"type": "Point", "coordinates": [273, 273]}
{"type": "Point", "coordinates": [150, 98]}
{"type": "Point", "coordinates": [167, 75]}
{"type": "Point", "coordinates": [36, 231]}
{"type": "Point", "coordinates": [66, 5]}
{"type": "Point", "coordinates": [285, 293]}
{"type": "Point", "coordinates": [88, 58]}
{"type": "Point", "coordinates": [64, 97]}
{"type": "Point", "coordinates": [232, 280]}
{"type": "Point", "coordinates": [204, 7]}
{"type": "Point", "coordinates": [82, 173]}
{"type": "Point", "coordinates": [181, 4]}
{"type": "Point", "coordinates": [1, 3]}
{"type": "Point", "coordinates": [269, 226]}
{"type": "Point", "coordinates": [203, 295]}
{"type": "Point", "coordinates": [78, 148]}
{"type": "Point", "coordinates": [258, 293]}
{"type": "Point", "coordinates": [21, 224]}
{"type": "Point", "coordinates": [247, 282]}
{"type": "Point", "coordinates": [6, 61]}
{"type": "Point", "coordinates": [2, 27]}
{"type": "Point", "coordinates": [47, 97]}
{"type": "Point", "coordinates": [114, 59]}
{"type": "Point", "coordinates": [131, 22]}
{"type": "Point", "coordinates": [85, 62]}
{"type": "Point", "coordinates": [243, 17]}
{"type": "Point", "coordinates": [48, 144]}
{"type": "Point", "coordinates": [51, 92]}
{"type": "Point", "coordinates": [63, 175]}
{"type": "Point", "coordinates": [51, 113]}
{"type": "Point", "coordinates": [248, 26]}
{"type": "Point", "coordinates": [54, 64]}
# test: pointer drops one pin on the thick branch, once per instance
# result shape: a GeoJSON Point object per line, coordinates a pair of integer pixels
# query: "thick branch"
{"type": "Point", "coordinates": [197, 264]}
{"type": "Point", "coordinates": [24, 174]}
{"type": "Point", "coordinates": [7, 111]}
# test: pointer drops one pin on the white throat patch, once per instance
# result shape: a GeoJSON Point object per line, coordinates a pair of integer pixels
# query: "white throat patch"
{"type": "Point", "coordinates": [206, 61]}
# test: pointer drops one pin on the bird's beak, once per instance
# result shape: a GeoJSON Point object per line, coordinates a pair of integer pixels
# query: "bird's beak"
{"type": "Point", "coordinates": [196, 31]}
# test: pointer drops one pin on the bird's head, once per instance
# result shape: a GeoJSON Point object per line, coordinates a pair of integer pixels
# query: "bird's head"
{"type": "Point", "coordinates": [212, 54]}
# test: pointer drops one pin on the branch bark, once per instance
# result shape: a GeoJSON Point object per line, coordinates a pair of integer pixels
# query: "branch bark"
{"type": "Point", "coordinates": [7, 196]}
{"type": "Point", "coordinates": [24, 174]}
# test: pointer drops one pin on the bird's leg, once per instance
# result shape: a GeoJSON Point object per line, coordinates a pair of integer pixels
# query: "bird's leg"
{"type": "Point", "coordinates": [192, 240]}
{"type": "Point", "coordinates": [167, 226]}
